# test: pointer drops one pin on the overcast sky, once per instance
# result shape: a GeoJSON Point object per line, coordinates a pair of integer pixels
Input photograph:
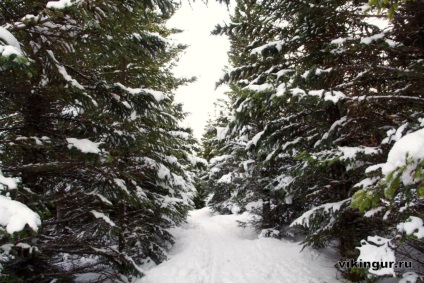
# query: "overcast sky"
{"type": "Point", "coordinates": [205, 59]}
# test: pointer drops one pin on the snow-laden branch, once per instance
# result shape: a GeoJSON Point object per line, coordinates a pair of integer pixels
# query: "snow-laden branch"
{"type": "Point", "coordinates": [15, 215]}
{"type": "Point", "coordinates": [63, 72]}
{"type": "Point", "coordinates": [392, 97]}
{"type": "Point", "coordinates": [84, 145]}
{"type": "Point", "coordinates": [157, 95]}
{"type": "Point", "coordinates": [61, 4]}
{"type": "Point", "coordinates": [406, 152]}
{"type": "Point", "coordinates": [9, 45]}
{"type": "Point", "coordinates": [11, 183]}
{"type": "Point", "coordinates": [305, 218]}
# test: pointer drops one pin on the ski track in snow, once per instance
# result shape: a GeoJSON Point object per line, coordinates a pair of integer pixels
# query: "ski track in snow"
{"type": "Point", "coordinates": [213, 249]}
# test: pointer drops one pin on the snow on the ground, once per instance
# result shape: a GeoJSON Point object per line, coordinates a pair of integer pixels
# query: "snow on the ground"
{"type": "Point", "coordinates": [213, 249]}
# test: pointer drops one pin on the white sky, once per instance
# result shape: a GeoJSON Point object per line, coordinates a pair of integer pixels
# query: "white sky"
{"type": "Point", "coordinates": [205, 58]}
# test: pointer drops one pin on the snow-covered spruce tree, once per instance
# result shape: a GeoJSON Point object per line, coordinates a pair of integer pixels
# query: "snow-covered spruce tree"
{"type": "Point", "coordinates": [215, 130]}
{"type": "Point", "coordinates": [242, 187]}
{"type": "Point", "coordinates": [90, 129]}
{"type": "Point", "coordinates": [221, 179]}
{"type": "Point", "coordinates": [280, 127]}
{"type": "Point", "coordinates": [207, 150]}
{"type": "Point", "coordinates": [393, 190]}
{"type": "Point", "coordinates": [318, 76]}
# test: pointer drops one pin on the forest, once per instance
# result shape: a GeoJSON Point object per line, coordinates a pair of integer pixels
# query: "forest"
{"type": "Point", "coordinates": [321, 139]}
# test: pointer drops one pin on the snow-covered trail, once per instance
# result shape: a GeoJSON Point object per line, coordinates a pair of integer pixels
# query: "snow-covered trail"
{"type": "Point", "coordinates": [213, 249]}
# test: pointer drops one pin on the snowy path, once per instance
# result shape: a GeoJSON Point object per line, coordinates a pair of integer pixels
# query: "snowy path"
{"type": "Point", "coordinates": [213, 249]}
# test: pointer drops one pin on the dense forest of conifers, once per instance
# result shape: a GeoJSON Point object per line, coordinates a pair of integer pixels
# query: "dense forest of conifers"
{"type": "Point", "coordinates": [321, 137]}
